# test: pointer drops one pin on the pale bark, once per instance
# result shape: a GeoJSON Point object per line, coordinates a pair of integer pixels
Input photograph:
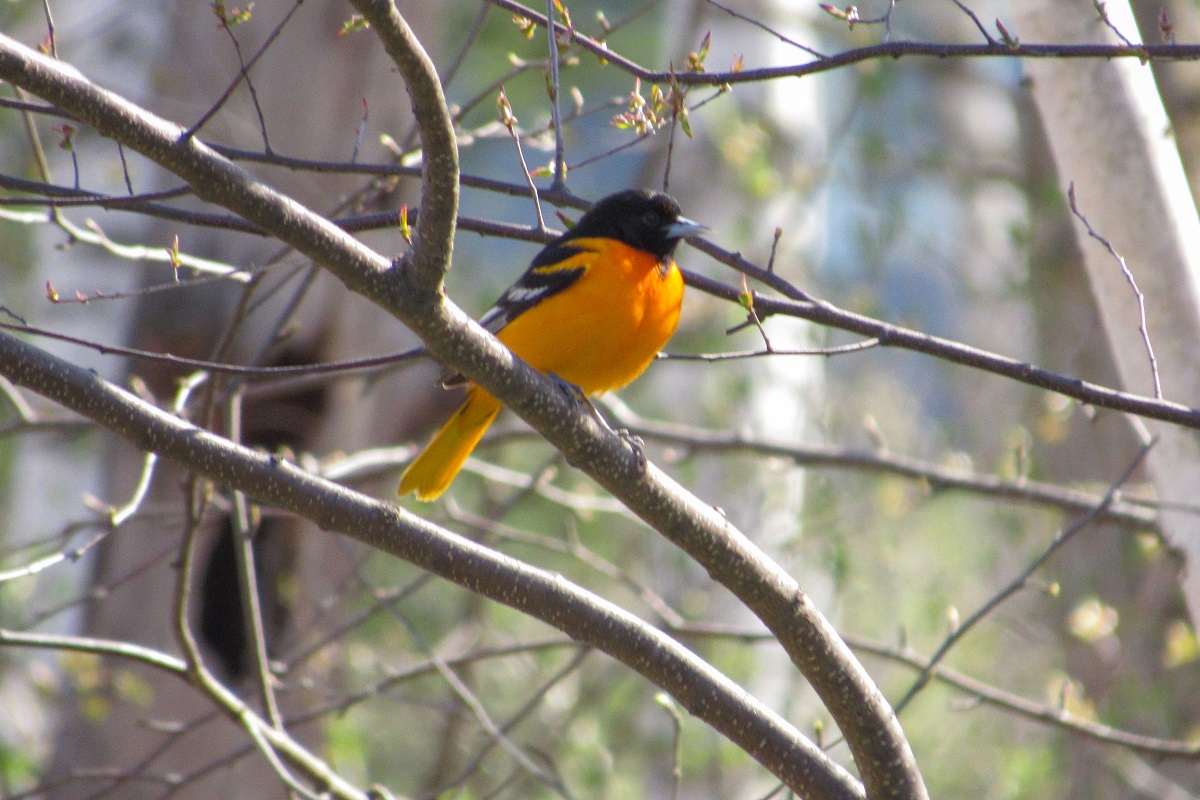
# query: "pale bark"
{"type": "Point", "coordinates": [1111, 139]}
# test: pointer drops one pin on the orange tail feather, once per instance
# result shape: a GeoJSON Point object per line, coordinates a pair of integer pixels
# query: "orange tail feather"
{"type": "Point", "coordinates": [433, 470]}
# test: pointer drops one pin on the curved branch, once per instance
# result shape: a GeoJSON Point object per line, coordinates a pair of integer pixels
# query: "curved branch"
{"type": "Point", "coordinates": [872, 732]}
{"type": "Point", "coordinates": [705, 692]}
{"type": "Point", "coordinates": [433, 242]}
{"type": "Point", "coordinates": [265, 736]}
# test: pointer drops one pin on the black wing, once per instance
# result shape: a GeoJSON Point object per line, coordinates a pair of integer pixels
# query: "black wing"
{"type": "Point", "coordinates": [548, 274]}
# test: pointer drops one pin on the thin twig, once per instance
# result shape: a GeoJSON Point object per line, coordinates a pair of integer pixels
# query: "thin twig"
{"type": "Point", "coordinates": [1013, 703]}
{"type": "Point", "coordinates": [99, 647]}
{"type": "Point", "coordinates": [1134, 512]}
{"type": "Point", "coordinates": [1143, 326]}
{"type": "Point", "coordinates": [118, 516]}
{"type": "Point", "coordinates": [673, 712]}
{"type": "Point", "coordinates": [18, 402]}
{"type": "Point", "coordinates": [735, 356]}
{"type": "Point", "coordinates": [244, 74]}
{"type": "Point", "coordinates": [243, 534]}
{"type": "Point", "coordinates": [560, 162]}
{"type": "Point", "coordinates": [997, 698]}
{"type": "Point", "coordinates": [1102, 12]}
{"type": "Point", "coordinates": [982, 28]}
{"type": "Point", "coordinates": [269, 740]}
{"type": "Point", "coordinates": [1020, 581]}
{"type": "Point", "coordinates": [526, 709]}
{"type": "Point", "coordinates": [69, 555]}
{"type": "Point", "coordinates": [767, 28]}
{"type": "Point", "coordinates": [510, 122]}
{"type": "Point", "coordinates": [883, 50]}
{"type": "Point", "coordinates": [451, 70]}
{"type": "Point", "coordinates": [471, 701]}
{"type": "Point", "coordinates": [351, 367]}
{"type": "Point", "coordinates": [50, 31]}
{"type": "Point", "coordinates": [800, 304]}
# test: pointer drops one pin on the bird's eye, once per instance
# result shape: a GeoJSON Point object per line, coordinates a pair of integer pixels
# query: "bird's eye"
{"type": "Point", "coordinates": [650, 218]}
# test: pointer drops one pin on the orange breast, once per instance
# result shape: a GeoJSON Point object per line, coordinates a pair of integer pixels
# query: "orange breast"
{"type": "Point", "coordinates": [604, 329]}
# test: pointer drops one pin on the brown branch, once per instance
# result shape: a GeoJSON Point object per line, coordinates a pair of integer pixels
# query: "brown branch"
{"type": "Point", "coordinates": [801, 305]}
{"type": "Point", "coordinates": [338, 368]}
{"type": "Point", "coordinates": [229, 702]}
{"type": "Point", "coordinates": [433, 241]}
{"type": "Point", "coordinates": [883, 50]}
{"type": "Point", "coordinates": [705, 692]}
{"type": "Point", "coordinates": [938, 477]}
{"type": "Point", "coordinates": [798, 303]}
{"type": "Point", "coordinates": [1151, 746]}
{"type": "Point", "coordinates": [1021, 580]}
{"type": "Point", "coordinates": [881, 753]}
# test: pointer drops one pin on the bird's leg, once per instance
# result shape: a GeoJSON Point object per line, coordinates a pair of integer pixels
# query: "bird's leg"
{"type": "Point", "coordinates": [636, 445]}
{"type": "Point", "coordinates": [575, 394]}
{"type": "Point", "coordinates": [633, 441]}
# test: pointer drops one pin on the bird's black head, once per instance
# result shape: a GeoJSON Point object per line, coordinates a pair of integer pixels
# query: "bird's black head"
{"type": "Point", "coordinates": [649, 221]}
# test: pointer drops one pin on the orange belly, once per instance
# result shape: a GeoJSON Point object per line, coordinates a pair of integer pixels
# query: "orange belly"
{"type": "Point", "coordinates": [620, 315]}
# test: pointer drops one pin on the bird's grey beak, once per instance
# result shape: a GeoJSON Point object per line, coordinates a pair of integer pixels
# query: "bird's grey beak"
{"type": "Point", "coordinates": [684, 228]}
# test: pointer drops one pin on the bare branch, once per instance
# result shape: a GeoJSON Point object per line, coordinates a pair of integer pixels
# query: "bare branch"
{"type": "Point", "coordinates": [939, 477]}
{"type": "Point", "coordinates": [1007, 701]}
{"type": "Point", "coordinates": [434, 239]}
{"type": "Point", "coordinates": [876, 741]}
{"type": "Point", "coordinates": [1021, 580]}
{"type": "Point", "coordinates": [803, 306]}
{"type": "Point", "coordinates": [884, 50]}
{"type": "Point", "coordinates": [276, 740]}
{"type": "Point", "coordinates": [705, 692]}
{"type": "Point", "coordinates": [1143, 328]}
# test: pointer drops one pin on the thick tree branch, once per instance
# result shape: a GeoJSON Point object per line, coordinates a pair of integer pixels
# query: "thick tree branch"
{"type": "Point", "coordinates": [705, 692]}
{"type": "Point", "coordinates": [433, 242]}
{"type": "Point", "coordinates": [878, 745]}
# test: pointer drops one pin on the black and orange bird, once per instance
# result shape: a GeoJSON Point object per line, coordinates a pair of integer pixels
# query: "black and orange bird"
{"type": "Point", "coordinates": [593, 308]}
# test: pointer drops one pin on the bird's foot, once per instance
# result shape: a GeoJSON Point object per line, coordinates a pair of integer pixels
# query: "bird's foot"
{"type": "Point", "coordinates": [635, 445]}
{"type": "Point", "coordinates": [631, 440]}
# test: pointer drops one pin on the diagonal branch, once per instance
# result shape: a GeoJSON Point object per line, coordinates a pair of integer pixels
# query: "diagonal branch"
{"type": "Point", "coordinates": [801, 305]}
{"type": "Point", "coordinates": [874, 736]}
{"type": "Point", "coordinates": [267, 738]}
{"type": "Point", "coordinates": [705, 692]}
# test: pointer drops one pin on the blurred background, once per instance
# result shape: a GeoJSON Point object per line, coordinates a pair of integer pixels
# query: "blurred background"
{"type": "Point", "coordinates": [920, 191]}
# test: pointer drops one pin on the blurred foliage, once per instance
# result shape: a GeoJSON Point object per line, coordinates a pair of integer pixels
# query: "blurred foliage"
{"type": "Point", "coordinates": [928, 221]}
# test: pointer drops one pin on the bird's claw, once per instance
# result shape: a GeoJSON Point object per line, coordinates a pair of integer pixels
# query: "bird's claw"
{"type": "Point", "coordinates": [631, 440]}
{"type": "Point", "coordinates": [635, 445]}
{"type": "Point", "coordinates": [572, 392]}
{"type": "Point", "coordinates": [568, 389]}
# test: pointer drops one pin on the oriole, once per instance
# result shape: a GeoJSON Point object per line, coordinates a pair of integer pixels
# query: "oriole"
{"type": "Point", "coordinates": [594, 308]}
